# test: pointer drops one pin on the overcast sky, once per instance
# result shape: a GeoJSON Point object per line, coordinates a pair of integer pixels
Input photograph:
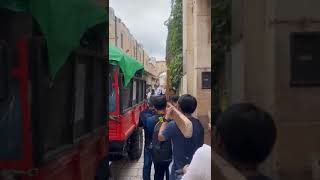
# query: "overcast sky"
{"type": "Point", "coordinates": [145, 20]}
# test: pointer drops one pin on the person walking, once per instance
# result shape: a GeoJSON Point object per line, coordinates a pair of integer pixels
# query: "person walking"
{"type": "Point", "coordinates": [183, 148]}
{"type": "Point", "coordinates": [148, 126]}
{"type": "Point", "coordinates": [200, 166]}
{"type": "Point", "coordinates": [161, 151]}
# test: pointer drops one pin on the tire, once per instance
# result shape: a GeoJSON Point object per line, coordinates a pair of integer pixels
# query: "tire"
{"type": "Point", "coordinates": [135, 145]}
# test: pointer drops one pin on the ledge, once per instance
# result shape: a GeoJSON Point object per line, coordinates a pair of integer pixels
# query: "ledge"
{"type": "Point", "coordinates": [222, 170]}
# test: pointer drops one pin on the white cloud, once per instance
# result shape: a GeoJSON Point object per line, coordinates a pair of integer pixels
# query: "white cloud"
{"type": "Point", "coordinates": [145, 20]}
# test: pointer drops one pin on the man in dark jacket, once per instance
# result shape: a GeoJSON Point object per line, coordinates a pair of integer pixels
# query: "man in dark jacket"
{"type": "Point", "coordinates": [183, 148]}
{"type": "Point", "coordinates": [147, 126]}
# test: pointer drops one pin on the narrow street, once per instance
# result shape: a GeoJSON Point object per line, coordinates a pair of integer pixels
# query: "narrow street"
{"type": "Point", "coordinates": [128, 170]}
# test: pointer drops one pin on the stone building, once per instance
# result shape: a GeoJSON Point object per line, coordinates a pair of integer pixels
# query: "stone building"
{"type": "Point", "coordinates": [120, 36]}
{"type": "Point", "coordinates": [275, 64]}
{"type": "Point", "coordinates": [161, 66]}
{"type": "Point", "coordinates": [197, 53]}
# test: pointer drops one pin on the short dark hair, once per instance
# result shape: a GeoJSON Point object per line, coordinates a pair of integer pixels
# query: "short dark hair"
{"type": "Point", "coordinates": [248, 133]}
{"type": "Point", "coordinates": [187, 103]}
{"type": "Point", "coordinates": [159, 102]}
{"type": "Point", "coordinates": [174, 98]}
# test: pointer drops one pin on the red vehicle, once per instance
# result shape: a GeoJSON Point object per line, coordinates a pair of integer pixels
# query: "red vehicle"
{"type": "Point", "coordinates": [125, 105]}
{"type": "Point", "coordinates": [50, 128]}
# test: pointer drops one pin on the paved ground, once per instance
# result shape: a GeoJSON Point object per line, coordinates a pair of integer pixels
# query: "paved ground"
{"type": "Point", "coordinates": [128, 170]}
{"type": "Point", "coordinates": [132, 170]}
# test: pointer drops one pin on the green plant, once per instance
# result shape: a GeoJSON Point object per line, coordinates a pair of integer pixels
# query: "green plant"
{"type": "Point", "coordinates": [221, 43]}
{"type": "Point", "coordinates": [221, 30]}
{"type": "Point", "coordinates": [175, 71]}
{"type": "Point", "coordinates": [174, 45]}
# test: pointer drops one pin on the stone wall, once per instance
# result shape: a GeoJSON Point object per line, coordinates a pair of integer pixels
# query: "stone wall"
{"type": "Point", "coordinates": [197, 52]}
{"type": "Point", "coordinates": [118, 32]}
{"type": "Point", "coordinates": [263, 48]}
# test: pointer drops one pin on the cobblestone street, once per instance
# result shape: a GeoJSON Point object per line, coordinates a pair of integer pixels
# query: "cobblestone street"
{"type": "Point", "coordinates": [128, 170]}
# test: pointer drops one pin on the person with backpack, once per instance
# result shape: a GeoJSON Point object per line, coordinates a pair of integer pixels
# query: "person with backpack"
{"type": "Point", "coordinates": [148, 126]}
{"type": "Point", "coordinates": [161, 150]}
{"type": "Point", "coordinates": [183, 148]}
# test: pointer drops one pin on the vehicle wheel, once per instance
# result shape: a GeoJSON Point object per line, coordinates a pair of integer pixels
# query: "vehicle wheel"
{"type": "Point", "coordinates": [135, 145]}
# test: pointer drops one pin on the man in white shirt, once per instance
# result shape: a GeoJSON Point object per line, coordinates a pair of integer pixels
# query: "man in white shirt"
{"type": "Point", "coordinates": [200, 166]}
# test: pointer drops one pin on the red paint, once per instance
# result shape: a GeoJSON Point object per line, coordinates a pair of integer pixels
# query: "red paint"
{"type": "Point", "coordinates": [21, 74]}
{"type": "Point", "coordinates": [122, 129]}
{"type": "Point", "coordinates": [71, 164]}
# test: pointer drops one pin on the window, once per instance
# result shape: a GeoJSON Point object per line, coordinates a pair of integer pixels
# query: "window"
{"type": "Point", "coordinates": [140, 92]}
{"type": "Point", "coordinates": [111, 93]}
{"type": "Point", "coordinates": [3, 73]}
{"type": "Point", "coordinates": [134, 92]}
{"type": "Point", "coordinates": [206, 80]}
{"type": "Point", "coordinates": [70, 106]}
{"type": "Point", "coordinates": [54, 110]}
{"type": "Point", "coordinates": [121, 40]}
{"type": "Point", "coordinates": [11, 141]}
{"type": "Point", "coordinates": [305, 59]}
{"type": "Point", "coordinates": [98, 93]}
{"type": "Point", "coordinates": [80, 100]}
{"type": "Point", "coordinates": [144, 90]}
{"type": "Point", "coordinates": [125, 94]}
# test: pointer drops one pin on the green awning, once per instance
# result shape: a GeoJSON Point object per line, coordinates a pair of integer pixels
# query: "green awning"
{"type": "Point", "coordinates": [62, 22]}
{"type": "Point", "coordinates": [128, 65]}
{"type": "Point", "coordinates": [15, 5]}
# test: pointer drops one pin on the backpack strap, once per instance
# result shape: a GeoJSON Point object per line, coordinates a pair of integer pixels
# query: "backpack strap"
{"type": "Point", "coordinates": [161, 119]}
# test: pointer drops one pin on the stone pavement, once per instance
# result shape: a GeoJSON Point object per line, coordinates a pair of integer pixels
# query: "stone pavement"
{"type": "Point", "coordinates": [128, 170]}
{"type": "Point", "coordinates": [125, 169]}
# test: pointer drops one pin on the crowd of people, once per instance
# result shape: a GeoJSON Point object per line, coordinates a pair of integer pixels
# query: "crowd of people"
{"type": "Point", "coordinates": [244, 135]}
{"type": "Point", "coordinates": [165, 144]}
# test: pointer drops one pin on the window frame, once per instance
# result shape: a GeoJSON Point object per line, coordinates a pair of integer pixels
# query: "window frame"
{"type": "Point", "coordinates": [134, 92]}
{"type": "Point", "coordinates": [209, 75]}
{"type": "Point", "coordinates": [297, 77]}
{"type": "Point", "coordinates": [121, 87]}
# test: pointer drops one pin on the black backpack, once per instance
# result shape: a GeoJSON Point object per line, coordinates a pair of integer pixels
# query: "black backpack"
{"type": "Point", "coordinates": [161, 151]}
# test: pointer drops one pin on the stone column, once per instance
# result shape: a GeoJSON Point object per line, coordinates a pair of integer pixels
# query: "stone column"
{"type": "Point", "coordinates": [201, 54]}
{"type": "Point", "coordinates": [187, 46]}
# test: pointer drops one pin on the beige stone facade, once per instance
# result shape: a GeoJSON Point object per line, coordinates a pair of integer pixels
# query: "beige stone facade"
{"type": "Point", "coordinates": [161, 66]}
{"type": "Point", "coordinates": [260, 73]}
{"type": "Point", "coordinates": [120, 36]}
{"type": "Point", "coordinates": [197, 52]}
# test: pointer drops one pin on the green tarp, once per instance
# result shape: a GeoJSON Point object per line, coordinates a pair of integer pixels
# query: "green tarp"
{"type": "Point", "coordinates": [15, 5]}
{"type": "Point", "coordinates": [63, 22]}
{"type": "Point", "coordinates": [128, 65]}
